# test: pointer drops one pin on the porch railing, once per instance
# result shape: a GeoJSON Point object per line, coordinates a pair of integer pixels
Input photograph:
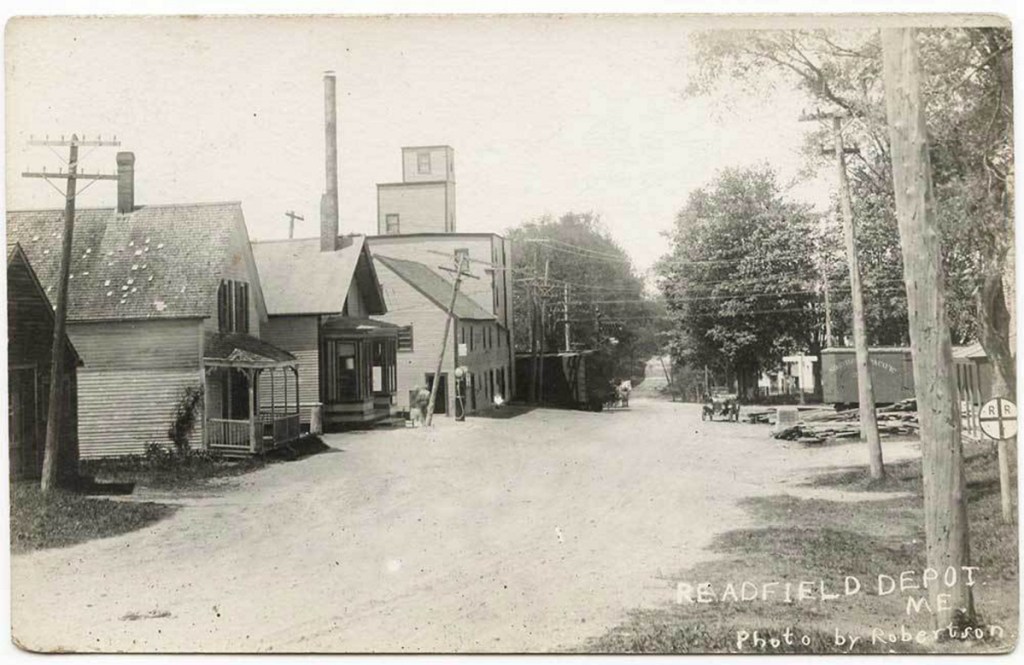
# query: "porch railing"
{"type": "Point", "coordinates": [278, 429]}
{"type": "Point", "coordinates": [228, 435]}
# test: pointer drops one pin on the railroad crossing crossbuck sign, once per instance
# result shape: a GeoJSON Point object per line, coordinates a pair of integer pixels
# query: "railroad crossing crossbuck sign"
{"type": "Point", "coordinates": [998, 418]}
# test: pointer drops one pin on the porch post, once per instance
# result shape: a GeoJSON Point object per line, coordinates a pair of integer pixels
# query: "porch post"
{"type": "Point", "coordinates": [206, 411]}
{"type": "Point", "coordinates": [273, 409]}
{"type": "Point", "coordinates": [284, 380]}
{"type": "Point", "coordinates": [251, 373]}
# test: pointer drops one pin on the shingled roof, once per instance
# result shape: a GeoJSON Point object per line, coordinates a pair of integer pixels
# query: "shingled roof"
{"type": "Point", "coordinates": [156, 262]}
{"type": "Point", "coordinates": [436, 288]}
{"type": "Point", "coordinates": [242, 348]}
{"type": "Point", "coordinates": [298, 278]}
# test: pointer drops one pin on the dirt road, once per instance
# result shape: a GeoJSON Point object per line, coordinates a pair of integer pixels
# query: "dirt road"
{"type": "Point", "coordinates": [526, 534]}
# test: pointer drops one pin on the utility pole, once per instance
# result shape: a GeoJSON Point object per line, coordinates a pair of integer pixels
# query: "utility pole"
{"type": "Point", "coordinates": [291, 222]}
{"type": "Point", "coordinates": [565, 301]}
{"type": "Point", "coordinates": [55, 406]}
{"type": "Point", "coordinates": [460, 263]}
{"type": "Point", "coordinates": [865, 390]}
{"type": "Point", "coordinates": [543, 330]}
{"type": "Point", "coordinates": [828, 300]}
{"type": "Point", "coordinates": [531, 308]}
{"type": "Point", "coordinates": [938, 405]}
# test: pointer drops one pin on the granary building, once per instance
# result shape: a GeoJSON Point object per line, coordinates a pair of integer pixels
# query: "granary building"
{"type": "Point", "coordinates": [414, 254]}
{"type": "Point", "coordinates": [30, 323]}
{"type": "Point", "coordinates": [164, 300]}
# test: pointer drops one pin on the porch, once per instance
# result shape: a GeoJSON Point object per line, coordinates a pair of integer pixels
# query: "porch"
{"type": "Point", "coordinates": [359, 371]}
{"type": "Point", "coordinates": [252, 396]}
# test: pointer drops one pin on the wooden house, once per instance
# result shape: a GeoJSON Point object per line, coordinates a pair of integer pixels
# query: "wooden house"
{"type": "Point", "coordinates": [319, 300]}
{"type": "Point", "coordinates": [30, 323]}
{"type": "Point", "coordinates": [163, 299]}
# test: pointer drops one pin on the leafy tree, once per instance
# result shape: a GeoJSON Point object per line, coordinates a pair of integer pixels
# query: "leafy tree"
{"type": "Point", "coordinates": [607, 309]}
{"type": "Point", "coordinates": [968, 87]}
{"type": "Point", "coordinates": [742, 279]}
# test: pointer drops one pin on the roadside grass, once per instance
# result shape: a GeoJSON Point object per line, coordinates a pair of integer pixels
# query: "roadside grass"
{"type": "Point", "coordinates": [65, 518]}
{"type": "Point", "coordinates": [819, 541]}
{"type": "Point", "coordinates": [166, 469]}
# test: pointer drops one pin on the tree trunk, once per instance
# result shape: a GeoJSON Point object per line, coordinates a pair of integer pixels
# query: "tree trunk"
{"type": "Point", "coordinates": [945, 509]}
{"type": "Point", "coordinates": [994, 331]}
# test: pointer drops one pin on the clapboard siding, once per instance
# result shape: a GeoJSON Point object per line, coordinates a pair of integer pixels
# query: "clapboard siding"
{"type": "Point", "coordinates": [297, 335]}
{"type": "Point", "coordinates": [138, 345]}
{"type": "Point", "coordinates": [121, 412]}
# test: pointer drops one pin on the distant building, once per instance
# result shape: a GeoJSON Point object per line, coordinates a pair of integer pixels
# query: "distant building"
{"type": "Point", "coordinates": [30, 324]}
{"type": "Point", "coordinates": [163, 298]}
{"type": "Point", "coordinates": [424, 201]}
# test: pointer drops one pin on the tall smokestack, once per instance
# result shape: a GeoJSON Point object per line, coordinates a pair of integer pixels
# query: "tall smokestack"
{"type": "Point", "coordinates": [329, 201]}
{"type": "Point", "coordinates": [125, 182]}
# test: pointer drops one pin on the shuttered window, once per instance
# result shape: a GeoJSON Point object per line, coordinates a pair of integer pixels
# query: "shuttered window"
{"type": "Point", "coordinates": [233, 306]}
{"type": "Point", "coordinates": [405, 338]}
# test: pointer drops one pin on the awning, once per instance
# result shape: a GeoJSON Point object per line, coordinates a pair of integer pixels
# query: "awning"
{"type": "Point", "coordinates": [346, 325]}
{"type": "Point", "coordinates": [241, 350]}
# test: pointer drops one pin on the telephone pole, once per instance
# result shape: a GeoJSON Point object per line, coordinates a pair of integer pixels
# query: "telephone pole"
{"type": "Point", "coordinates": [828, 300]}
{"type": "Point", "coordinates": [55, 406]}
{"type": "Point", "coordinates": [460, 267]}
{"type": "Point", "coordinates": [543, 330]}
{"type": "Point", "coordinates": [565, 305]}
{"type": "Point", "coordinates": [291, 222]}
{"type": "Point", "coordinates": [865, 390]}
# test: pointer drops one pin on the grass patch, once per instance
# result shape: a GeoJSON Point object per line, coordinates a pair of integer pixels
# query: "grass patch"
{"type": "Point", "coordinates": [167, 469]}
{"type": "Point", "coordinates": [817, 540]}
{"type": "Point", "coordinates": [64, 518]}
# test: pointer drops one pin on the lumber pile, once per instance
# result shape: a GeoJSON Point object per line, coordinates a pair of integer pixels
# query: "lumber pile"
{"type": "Point", "coordinates": [825, 425]}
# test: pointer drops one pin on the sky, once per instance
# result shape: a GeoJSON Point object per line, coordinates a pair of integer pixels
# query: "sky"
{"type": "Point", "coordinates": [546, 115]}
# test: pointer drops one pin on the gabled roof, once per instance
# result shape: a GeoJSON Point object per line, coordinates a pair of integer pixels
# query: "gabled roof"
{"type": "Point", "coordinates": [156, 262]}
{"type": "Point", "coordinates": [17, 260]}
{"type": "Point", "coordinates": [298, 278]}
{"type": "Point", "coordinates": [436, 288]}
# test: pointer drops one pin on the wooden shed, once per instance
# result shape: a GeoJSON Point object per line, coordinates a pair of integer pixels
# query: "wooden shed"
{"type": "Point", "coordinates": [30, 323]}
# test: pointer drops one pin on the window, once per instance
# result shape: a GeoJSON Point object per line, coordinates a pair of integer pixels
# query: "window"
{"type": "Point", "coordinates": [405, 338]}
{"type": "Point", "coordinates": [233, 306]}
{"type": "Point", "coordinates": [471, 336]}
{"type": "Point", "coordinates": [342, 382]}
{"type": "Point", "coordinates": [423, 163]}
{"type": "Point", "coordinates": [383, 371]}
{"type": "Point", "coordinates": [391, 227]}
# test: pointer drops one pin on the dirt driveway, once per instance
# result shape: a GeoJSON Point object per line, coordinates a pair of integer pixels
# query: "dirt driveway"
{"type": "Point", "coordinates": [526, 534]}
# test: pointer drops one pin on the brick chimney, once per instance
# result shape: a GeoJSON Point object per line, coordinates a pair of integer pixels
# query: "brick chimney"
{"type": "Point", "coordinates": [125, 182]}
{"type": "Point", "coordinates": [329, 201]}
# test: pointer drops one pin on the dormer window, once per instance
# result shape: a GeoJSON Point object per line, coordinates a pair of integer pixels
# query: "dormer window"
{"type": "Point", "coordinates": [233, 306]}
{"type": "Point", "coordinates": [423, 163]}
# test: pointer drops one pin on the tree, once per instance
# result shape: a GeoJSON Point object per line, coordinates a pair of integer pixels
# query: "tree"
{"type": "Point", "coordinates": [584, 268]}
{"type": "Point", "coordinates": [742, 280]}
{"type": "Point", "coordinates": [945, 507]}
{"type": "Point", "coordinates": [967, 85]}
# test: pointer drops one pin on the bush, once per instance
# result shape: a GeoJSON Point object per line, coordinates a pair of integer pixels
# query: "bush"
{"type": "Point", "coordinates": [185, 414]}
